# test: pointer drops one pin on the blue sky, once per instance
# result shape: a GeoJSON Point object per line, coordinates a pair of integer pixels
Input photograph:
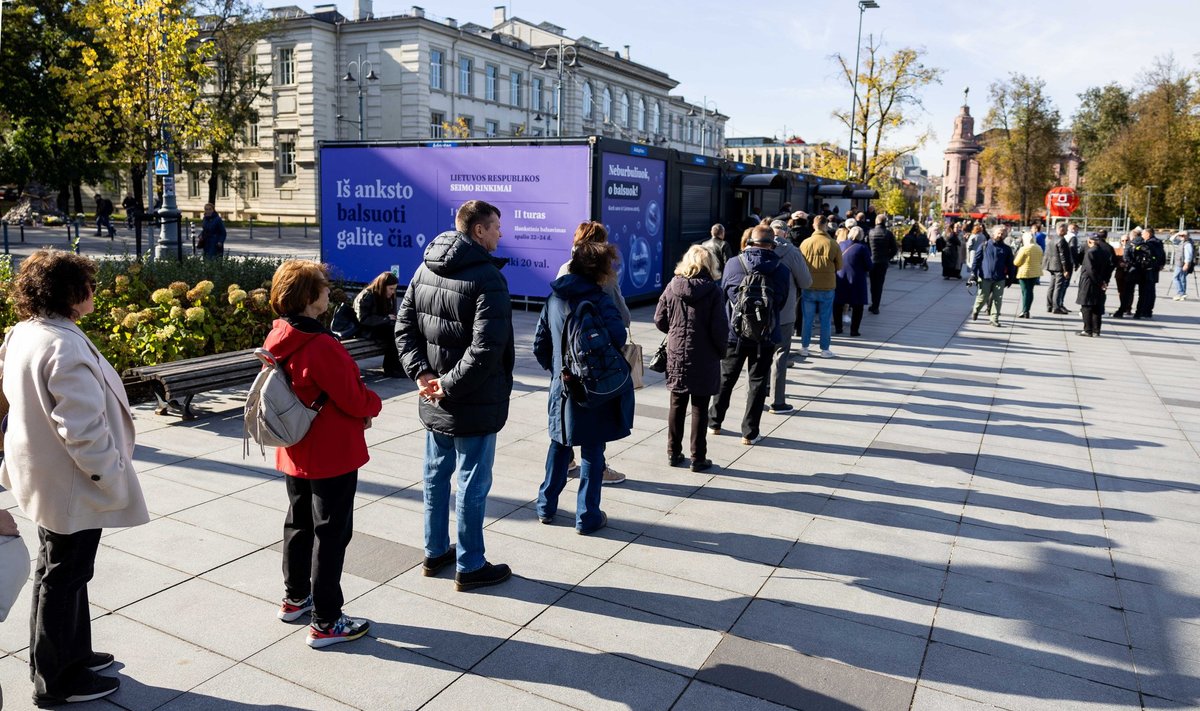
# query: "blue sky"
{"type": "Point", "coordinates": [766, 63]}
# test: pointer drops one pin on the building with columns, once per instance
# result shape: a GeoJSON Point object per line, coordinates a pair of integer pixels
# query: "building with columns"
{"type": "Point", "coordinates": [967, 184]}
{"type": "Point", "coordinates": [422, 77]}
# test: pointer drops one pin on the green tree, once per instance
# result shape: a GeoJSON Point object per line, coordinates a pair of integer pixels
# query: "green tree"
{"type": "Point", "coordinates": [41, 50]}
{"type": "Point", "coordinates": [1025, 146]}
{"type": "Point", "coordinates": [140, 79]}
{"type": "Point", "coordinates": [889, 95]}
{"type": "Point", "coordinates": [1104, 113]}
{"type": "Point", "coordinates": [1160, 146]}
{"type": "Point", "coordinates": [234, 28]}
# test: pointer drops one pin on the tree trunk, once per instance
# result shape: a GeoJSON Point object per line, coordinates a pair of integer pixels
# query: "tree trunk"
{"type": "Point", "coordinates": [77, 194]}
{"type": "Point", "coordinates": [63, 201]}
{"type": "Point", "coordinates": [137, 173]}
{"type": "Point", "coordinates": [213, 177]}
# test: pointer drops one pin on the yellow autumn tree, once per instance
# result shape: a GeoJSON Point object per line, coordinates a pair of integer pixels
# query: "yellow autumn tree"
{"type": "Point", "coordinates": [141, 80]}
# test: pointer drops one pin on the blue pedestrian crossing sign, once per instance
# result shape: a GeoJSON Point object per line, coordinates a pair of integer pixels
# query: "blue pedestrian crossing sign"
{"type": "Point", "coordinates": [162, 165]}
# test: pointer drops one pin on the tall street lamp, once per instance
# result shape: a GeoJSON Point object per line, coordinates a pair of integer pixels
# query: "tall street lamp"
{"type": "Point", "coordinates": [359, 66]}
{"type": "Point", "coordinates": [566, 58]}
{"type": "Point", "coordinates": [863, 6]}
{"type": "Point", "coordinates": [1148, 189]}
{"type": "Point", "coordinates": [705, 112]}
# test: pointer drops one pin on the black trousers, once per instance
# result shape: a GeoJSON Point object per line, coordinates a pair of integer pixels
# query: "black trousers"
{"type": "Point", "coordinates": [675, 415]}
{"type": "Point", "coordinates": [1091, 317]}
{"type": "Point", "coordinates": [878, 273]}
{"type": "Point", "coordinates": [1125, 285]}
{"type": "Point", "coordinates": [856, 316]}
{"type": "Point", "coordinates": [759, 358]}
{"type": "Point", "coordinates": [60, 626]}
{"type": "Point", "coordinates": [318, 527]}
{"type": "Point", "coordinates": [385, 335]}
{"type": "Point", "coordinates": [1146, 286]}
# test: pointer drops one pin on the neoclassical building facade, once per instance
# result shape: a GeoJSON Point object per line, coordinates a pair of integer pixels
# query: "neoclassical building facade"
{"type": "Point", "coordinates": [422, 78]}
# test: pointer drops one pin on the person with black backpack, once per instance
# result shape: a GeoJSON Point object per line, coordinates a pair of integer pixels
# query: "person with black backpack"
{"type": "Point", "coordinates": [578, 339]}
{"type": "Point", "coordinates": [756, 287]}
{"type": "Point", "coordinates": [1148, 257]}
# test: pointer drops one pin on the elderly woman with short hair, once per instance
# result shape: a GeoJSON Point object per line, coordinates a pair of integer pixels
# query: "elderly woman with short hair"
{"type": "Point", "coordinates": [68, 460]}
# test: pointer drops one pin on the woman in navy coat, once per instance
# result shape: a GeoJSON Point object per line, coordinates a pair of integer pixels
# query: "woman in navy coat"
{"type": "Point", "coordinates": [852, 281]}
{"type": "Point", "coordinates": [590, 429]}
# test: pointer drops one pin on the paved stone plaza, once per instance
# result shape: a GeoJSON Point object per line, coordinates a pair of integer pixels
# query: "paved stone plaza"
{"type": "Point", "coordinates": [957, 517]}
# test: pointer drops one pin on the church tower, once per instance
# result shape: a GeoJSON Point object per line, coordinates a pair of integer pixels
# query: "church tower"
{"type": "Point", "coordinates": [961, 172]}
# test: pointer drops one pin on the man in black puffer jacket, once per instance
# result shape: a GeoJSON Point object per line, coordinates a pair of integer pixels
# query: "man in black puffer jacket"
{"type": "Point", "coordinates": [883, 250]}
{"type": "Point", "coordinates": [455, 338]}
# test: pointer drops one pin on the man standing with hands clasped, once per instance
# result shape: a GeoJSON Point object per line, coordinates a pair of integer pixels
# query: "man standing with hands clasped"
{"type": "Point", "coordinates": [455, 338]}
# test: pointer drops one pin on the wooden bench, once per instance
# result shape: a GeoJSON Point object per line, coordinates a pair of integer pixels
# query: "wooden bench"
{"type": "Point", "coordinates": [175, 384]}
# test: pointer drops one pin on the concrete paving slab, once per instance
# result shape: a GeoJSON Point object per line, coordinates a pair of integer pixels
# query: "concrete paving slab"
{"type": "Point", "coordinates": [476, 693]}
{"type": "Point", "coordinates": [580, 677]}
{"type": "Point", "coordinates": [671, 597]}
{"type": "Point", "coordinates": [180, 545]}
{"type": "Point", "coordinates": [243, 685]}
{"type": "Point", "coordinates": [703, 697]}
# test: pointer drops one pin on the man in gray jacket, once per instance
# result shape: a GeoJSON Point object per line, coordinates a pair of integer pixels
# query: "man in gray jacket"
{"type": "Point", "coordinates": [1059, 264]}
{"type": "Point", "coordinates": [718, 246]}
{"type": "Point", "coordinates": [801, 278]}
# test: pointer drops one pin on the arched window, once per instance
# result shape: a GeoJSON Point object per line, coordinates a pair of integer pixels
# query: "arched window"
{"type": "Point", "coordinates": [587, 100]}
{"type": "Point", "coordinates": [606, 104]}
{"type": "Point", "coordinates": [639, 116]}
{"type": "Point", "coordinates": [625, 109]}
{"type": "Point", "coordinates": [655, 118]}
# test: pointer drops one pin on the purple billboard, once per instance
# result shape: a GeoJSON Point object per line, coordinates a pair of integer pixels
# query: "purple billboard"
{"type": "Point", "coordinates": [632, 196]}
{"type": "Point", "coordinates": [380, 206]}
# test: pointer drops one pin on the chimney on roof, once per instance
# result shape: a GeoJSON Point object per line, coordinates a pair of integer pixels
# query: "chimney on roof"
{"type": "Point", "coordinates": [451, 22]}
{"type": "Point", "coordinates": [363, 10]}
{"type": "Point", "coordinates": [417, 11]}
{"type": "Point", "coordinates": [626, 53]}
{"type": "Point", "coordinates": [499, 15]}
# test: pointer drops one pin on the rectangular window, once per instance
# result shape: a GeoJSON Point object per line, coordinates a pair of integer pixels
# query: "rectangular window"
{"type": "Point", "coordinates": [285, 74]}
{"type": "Point", "coordinates": [466, 124]}
{"type": "Point", "coordinates": [252, 179]}
{"type": "Point", "coordinates": [285, 161]}
{"type": "Point", "coordinates": [436, 129]}
{"type": "Point", "coordinates": [491, 77]}
{"type": "Point", "coordinates": [254, 135]}
{"type": "Point", "coordinates": [514, 85]}
{"type": "Point", "coordinates": [465, 65]}
{"type": "Point", "coordinates": [491, 128]}
{"type": "Point", "coordinates": [437, 69]}
{"type": "Point", "coordinates": [193, 184]}
{"type": "Point", "coordinates": [535, 93]}
{"type": "Point", "coordinates": [223, 187]}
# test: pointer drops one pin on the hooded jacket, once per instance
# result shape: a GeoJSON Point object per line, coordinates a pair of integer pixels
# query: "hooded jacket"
{"type": "Point", "coordinates": [691, 312]}
{"type": "Point", "coordinates": [318, 363]}
{"type": "Point", "coordinates": [570, 424]}
{"type": "Point", "coordinates": [763, 261]}
{"type": "Point", "coordinates": [456, 321]}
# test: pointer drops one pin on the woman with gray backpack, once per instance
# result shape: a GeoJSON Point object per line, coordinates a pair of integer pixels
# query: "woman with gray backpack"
{"type": "Point", "coordinates": [322, 467]}
{"type": "Point", "coordinates": [578, 339]}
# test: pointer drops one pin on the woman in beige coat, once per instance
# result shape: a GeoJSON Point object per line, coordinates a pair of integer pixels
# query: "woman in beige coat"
{"type": "Point", "coordinates": [68, 459]}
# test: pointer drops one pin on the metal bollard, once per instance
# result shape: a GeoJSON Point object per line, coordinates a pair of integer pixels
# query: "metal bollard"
{"type": "Point", "coordinates": [22, 233]}
{"type": "Point", "coordinates": [278, 228]}
{"type": "Point", "coordinates": [192, 235]}
{"type": "Point", "coordinates": [6, 238]}
{"type": "Point", "coordinates": [252, 227]}
{"type": "Point", "coordinates": [306, 227]}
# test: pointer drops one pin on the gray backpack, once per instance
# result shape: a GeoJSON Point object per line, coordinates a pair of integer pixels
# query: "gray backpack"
{"type": "Point", "coordinates": [275, 417]}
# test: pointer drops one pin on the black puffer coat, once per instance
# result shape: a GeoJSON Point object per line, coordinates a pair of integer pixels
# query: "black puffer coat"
{"type": "Point", "coordinates": [692, 314]}
{"type": "Point", "coordinates": [456, 321]}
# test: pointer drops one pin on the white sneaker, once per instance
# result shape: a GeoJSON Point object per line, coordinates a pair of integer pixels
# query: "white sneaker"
{"type": "Point", "coordinates": [804, 352]}
{"type": "Point", "coordinates": [827, 353]}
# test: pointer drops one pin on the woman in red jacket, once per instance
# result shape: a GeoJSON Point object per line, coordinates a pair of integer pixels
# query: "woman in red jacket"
{"type": "Point", "coordinates": [322, 468]}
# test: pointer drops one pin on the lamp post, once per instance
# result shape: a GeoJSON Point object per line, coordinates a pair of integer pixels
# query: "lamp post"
{"type": "Point", "coordinates": [352, 66]}
{"type": "Point", "coordinates": [863, 6]}
{"type": "Point", "coordinates": [1148, 189]}
{"type": "Point", "coordinates": [705, 112]}
{"type": "Point", "coordinates": [566, 57]}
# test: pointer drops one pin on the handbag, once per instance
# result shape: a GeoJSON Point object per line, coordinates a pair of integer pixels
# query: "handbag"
{"type": "Point", "coordinates": [659, 362]}
{"type": "Point", "coordinates": [633, 355]}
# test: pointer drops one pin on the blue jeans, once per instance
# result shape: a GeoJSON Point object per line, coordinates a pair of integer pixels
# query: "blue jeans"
{"type": "Point", "coordinates": [814, 301]}
{"type": "Point", "coordinates": [591, 479]}
{"type": "Point", "coordinates": [472, 458]}
{"type": "Point", "coordinates": [1180, 282]}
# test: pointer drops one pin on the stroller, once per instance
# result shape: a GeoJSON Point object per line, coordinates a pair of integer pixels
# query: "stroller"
{"type": "Point", "coordinates": [914, 248]}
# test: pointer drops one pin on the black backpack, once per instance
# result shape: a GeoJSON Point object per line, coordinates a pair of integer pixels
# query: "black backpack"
{"type": "Point", "coordinates": [754, 306]}
{"type": "Point", "coordinates": [594, 370]}
{"type": "Point", "coordinates": [1142, 258]}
